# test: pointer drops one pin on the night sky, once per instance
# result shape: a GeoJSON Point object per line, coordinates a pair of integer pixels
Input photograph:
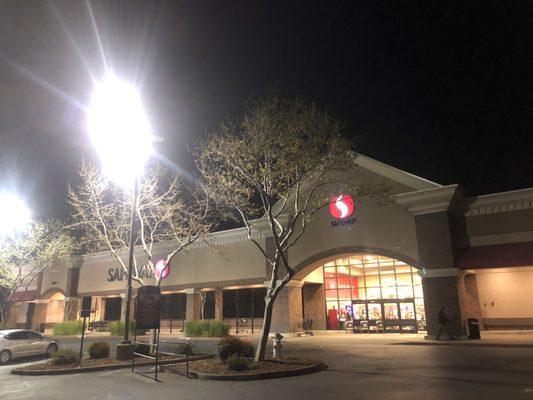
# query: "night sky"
{"type": "Point", "coordinates": [442, 90]}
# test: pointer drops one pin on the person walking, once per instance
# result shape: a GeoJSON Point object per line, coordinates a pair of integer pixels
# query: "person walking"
{"type": "Point", "coordinates": [444, 323]}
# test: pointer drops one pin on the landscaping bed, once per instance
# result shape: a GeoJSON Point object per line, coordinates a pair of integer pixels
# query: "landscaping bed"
{"type": "Point", "coordinates": [215, 369]}
{"type": "Point", "coordinates": [89, 365]}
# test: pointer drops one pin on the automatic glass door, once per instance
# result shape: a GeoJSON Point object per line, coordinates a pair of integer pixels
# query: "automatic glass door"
{"type": "Point", "coordinates": [392, 316]}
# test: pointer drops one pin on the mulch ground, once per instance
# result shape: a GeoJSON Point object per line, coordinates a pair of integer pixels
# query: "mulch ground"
{"type": "Point", "coordinates": [89, 362]}
{"type": "Point", "coordinates": [215, 366]}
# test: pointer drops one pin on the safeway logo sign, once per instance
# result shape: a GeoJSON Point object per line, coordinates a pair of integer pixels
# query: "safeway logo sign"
{"type": "Point", "coordinates": [341, 207]}
{"type": "Point", "coordinates": [162, 269]}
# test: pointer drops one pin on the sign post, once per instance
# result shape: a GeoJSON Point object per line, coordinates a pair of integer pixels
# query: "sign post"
{"type": "Point", "coordinates": [147, 316]}
{"type": "Point", "coordinates": [85, 312]}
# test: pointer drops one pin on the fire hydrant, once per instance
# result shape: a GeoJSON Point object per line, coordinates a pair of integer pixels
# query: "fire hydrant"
{"type": "Point", "coordinates": [277, 346]}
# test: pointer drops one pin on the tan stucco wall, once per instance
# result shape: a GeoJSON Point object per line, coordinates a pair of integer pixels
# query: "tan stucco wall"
{"type": "Point", "coordinates": [20, 309]}
{"type": "Point", "coordinates": [55, 311]}
{"type": "Point", "coordinates": [506, 293]}
{"type": "Point", "coordinates": [225, 262]}
{"type": "Point", "coordinates": [391, 228]}
{"type": "Point", "coordinates": [55, 277]}
{"type": "Point", "coordinates": [501, 227]}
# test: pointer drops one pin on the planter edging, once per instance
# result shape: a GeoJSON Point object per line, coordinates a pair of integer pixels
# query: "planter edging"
{"type": "Point", "coordinates": [253, 377]}
{"type": "Point", "coordinates": [41, 372]}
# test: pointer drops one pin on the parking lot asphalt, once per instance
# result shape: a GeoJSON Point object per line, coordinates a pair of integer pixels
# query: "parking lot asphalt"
{"type": "Point", "coordinates": [360, 367]}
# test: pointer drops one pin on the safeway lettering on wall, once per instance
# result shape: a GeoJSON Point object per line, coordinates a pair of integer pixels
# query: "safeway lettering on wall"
{"type": "Point", "coordinates": [118, 274]}
{"type": "Point", "coordinates": [341, 222]}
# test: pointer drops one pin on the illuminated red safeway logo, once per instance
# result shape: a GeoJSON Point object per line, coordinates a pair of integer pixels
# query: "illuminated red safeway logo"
{"type": "Point", "coordinates": [341, 206]}
{"type": "Point", "coordinates": [161, 269]}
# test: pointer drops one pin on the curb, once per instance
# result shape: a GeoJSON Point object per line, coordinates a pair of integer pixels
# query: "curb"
{"type": "Point", "coordinates": [450, 343]}
{"type": "Point", "coordinates": [253, 377]}
{"type": "Point", "coordinates": [102, 367]}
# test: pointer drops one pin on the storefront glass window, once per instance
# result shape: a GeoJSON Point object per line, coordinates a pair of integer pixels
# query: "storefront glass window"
{"type": "Point", "coordinates": [391, 310]}
{"type": "Point", "coordinates": [405, 292]}
{"type": "Point", "coordinates": [374, 311]}
{"type": "Point", "coordinates": [173, 306]}
{"type": "Point", "coordinates": [386, 289]}
{"type": "Point", "coordinates": [244, 303]}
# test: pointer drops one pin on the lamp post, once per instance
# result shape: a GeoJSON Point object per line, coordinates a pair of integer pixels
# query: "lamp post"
{"type": "Point", "coordinates": [121, 134]}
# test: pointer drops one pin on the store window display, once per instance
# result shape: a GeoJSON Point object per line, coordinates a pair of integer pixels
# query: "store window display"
{"type": "Point", "coordinates": [367, 287]}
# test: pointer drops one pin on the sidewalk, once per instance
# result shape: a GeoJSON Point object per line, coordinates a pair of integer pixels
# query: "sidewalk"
{"type": "Point", "coordinates": [509, 339]}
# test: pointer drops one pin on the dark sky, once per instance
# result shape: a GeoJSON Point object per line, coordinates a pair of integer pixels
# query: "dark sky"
{"type": "Point", "coordinates": [442, 90]}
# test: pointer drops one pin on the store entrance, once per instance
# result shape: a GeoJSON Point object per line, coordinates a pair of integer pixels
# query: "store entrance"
{"type": "Point", "coordinates": [384, 316]}
{"type": "Point", "coordinates": [387, 292]}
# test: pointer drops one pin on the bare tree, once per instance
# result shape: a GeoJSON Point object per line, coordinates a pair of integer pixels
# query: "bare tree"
{"type": "Point", "coordinates": [169, 210]}
{"type": "Point", "coordinates": [273, 167]}
{"type": "Point", "coordinates": [24, 256]}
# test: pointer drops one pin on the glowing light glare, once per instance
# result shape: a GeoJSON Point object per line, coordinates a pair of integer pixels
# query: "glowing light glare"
{"type": "Point", "coordinates": [14, 214]}
{"type": "Point", "coordinates": [119, 129]}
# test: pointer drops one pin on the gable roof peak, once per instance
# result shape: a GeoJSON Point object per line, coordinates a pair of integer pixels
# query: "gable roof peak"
{"type": "Point", "coordinates": [395, 174]}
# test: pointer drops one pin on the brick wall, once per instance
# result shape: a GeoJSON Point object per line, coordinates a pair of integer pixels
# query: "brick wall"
{"type": "Point", "coordinates": [192, 309]}
{"type": "Point", "coordinates": [287, 311]}
{"type": "Point", "coordinates": [314, 305]}
{"type": "Point", "coordinates": [442, 292]}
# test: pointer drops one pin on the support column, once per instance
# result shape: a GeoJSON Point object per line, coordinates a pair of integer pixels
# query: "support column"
{"type": "Point", "coordinates": [440, 290]}
{"type": "Point", "coordinates": [39, 314]}
{"type": "Point", "coordinates": [72, 306]}
{"type": "Point", "coordinates": [219, 305]}
{"type": "Point", "coordinates": [122, 308]}
{"type": "Point", "coordinates": [287, 311]}
{"type": "Point", "coordinates": [439, 272]}
{"type": "Point", "coordinates": [313, 305]}
{"type": "Point", "coordinates": [437, 254]}
{"type": "Point", "coordinates": [192, 310]}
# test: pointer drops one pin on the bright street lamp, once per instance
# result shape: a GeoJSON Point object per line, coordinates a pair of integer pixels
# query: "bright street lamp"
{"type": "Point", "coordinates": [14, 214]}
{"type": "Point", "coordinates": [119, 129]}
{"type": "Point", "coordinates": [121, 134]}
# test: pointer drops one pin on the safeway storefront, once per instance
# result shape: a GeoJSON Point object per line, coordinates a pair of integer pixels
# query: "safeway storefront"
{"type": "Point", "coordinates": [381, 267]}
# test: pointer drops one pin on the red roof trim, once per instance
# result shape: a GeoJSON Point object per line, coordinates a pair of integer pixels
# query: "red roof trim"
{"type": "Point", "coordinates": [498, 256]}
{"type": "Point", "coordinates": [27, 295]}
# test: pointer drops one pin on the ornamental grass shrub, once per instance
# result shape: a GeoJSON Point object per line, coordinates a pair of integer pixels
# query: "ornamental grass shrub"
{"type": "Point", "coordinates": [68, 328]}
{"type": "Point", "coordinates": [99, 350]}
{"type": "Point", "coordinates": [184, 349]}
{"type": "Point", "coordinates": [206, 328]}
{"type": "Point", "coordinates": [232, 345]}
{"type": "Point", "coordinates": [237, 362]}
{"type": "Point", "coordinates": [116, 328]}
{"type": "Point", "coordinates": [64, 357]}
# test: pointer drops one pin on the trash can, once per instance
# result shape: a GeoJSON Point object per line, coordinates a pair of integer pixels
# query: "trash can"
{"type": "Point", "coordinates": [473, 329]}
{"type": "Point", "coordinates": [42, 328]}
